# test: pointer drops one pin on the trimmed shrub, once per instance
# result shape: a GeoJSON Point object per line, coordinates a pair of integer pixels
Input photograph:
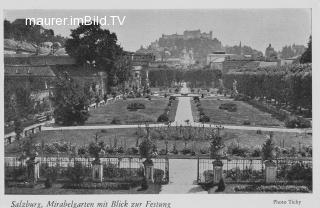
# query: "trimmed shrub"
{"type": "Point", "coordinates": [204, 118]}
{"type": "Point", "coordinates": [221, 186]}
{"type": "Point", "coordinates": [186, 151]}
{"type": "Point", "coordinates": [162, 152]}
{"type": "Point", "coordinates": [163, 118]}
{"type": "Point", "coordinates": [135, 106]}
{"type": "Point", "coordinates": [196, 99]}
{"type": "Point", "coordinates": [158, 175]}
{"type": "Point", "coordinates": [231, 107]}
{"type": "Point", "coordinates": [256, 152]}
{"type": "Point", "coordinates": [208, 176]}
{"type": "Point", "coordinates": [204, 151]}
{"type": "Point", "coordinates": [237, 150]}
{"type": "Point", "coordinates": [246, 122]}
{"type": "Point", "coordinates": [116, 120]}
{"type": "Point", "coordinates": [76, 174]}
{"type": "Point", "coordinates": [300, 171]}
{"type": "Point", "coordinates": [295, 122]}
{"type": "Point", "coordinates": [133, 151]}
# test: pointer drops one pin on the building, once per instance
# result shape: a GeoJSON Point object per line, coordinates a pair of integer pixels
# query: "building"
{"type": "Point", "coordinates": [219, 56]}
{"type": "Point", "coordinates": [37, 73]}
{"type": "Point", "coordinates": [139, 64]}
{"type": "Point", "coordinates": [188, 34]}
{"type": "Point", "coordinates": [195, 34]}
{"type": "Point", "coordinates": [12, 47]}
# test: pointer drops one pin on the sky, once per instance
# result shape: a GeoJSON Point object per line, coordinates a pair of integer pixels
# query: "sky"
{"type": "Point", "coordinates": [253, 27]}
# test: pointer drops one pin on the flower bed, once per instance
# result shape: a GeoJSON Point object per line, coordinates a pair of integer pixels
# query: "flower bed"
{"type": "Point", "coordinates": [103, 185]}
{"type": "Point", "coordinates": [135, 106]}
{"type": "Point", "coordinates": [273, 188]}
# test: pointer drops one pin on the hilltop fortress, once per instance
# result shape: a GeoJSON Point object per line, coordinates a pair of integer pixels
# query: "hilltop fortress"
{"type": "Point", "coordinates": [183, 49]}
{"type": "Point", "coordinates": [188, 34]}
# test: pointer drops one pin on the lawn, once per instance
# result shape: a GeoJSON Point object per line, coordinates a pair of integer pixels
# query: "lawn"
{"type": "Point", "coordinates": [244, 113]}
{"type": "Point", "coordinates": [118, 109]}
{"type": "Point", "coordinates": [127, 138]}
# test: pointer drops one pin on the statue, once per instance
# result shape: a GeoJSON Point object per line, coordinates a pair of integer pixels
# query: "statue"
{"type": "Point", "coordinates": [234, 87]}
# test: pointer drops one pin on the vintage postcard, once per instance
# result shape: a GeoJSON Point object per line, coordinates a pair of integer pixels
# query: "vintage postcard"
{"type": "Point", "coordinates": [158, 107]}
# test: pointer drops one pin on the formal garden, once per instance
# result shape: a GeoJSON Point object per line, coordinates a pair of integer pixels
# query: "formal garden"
{"type": "Point", "coordinates": [232, 112]}
{"type": "Point", "coordinates": [67, 159]}
{"type": "Point", "coordinates": [133, 111]}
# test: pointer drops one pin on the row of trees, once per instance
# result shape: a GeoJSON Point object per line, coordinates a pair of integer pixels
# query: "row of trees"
{"type": "Point", "coordinates": [18, 102]}
{"type": "Point", "coordinates": [19, 30]}
{"type": "Point", "coordinates": [196, 78]}
{"type": "Point", "coordinates": [19, 99]}
{"type": "Point", "coordinates": [285, 85]}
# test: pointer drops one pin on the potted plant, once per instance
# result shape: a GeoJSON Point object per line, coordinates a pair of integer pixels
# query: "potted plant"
{"type": "Point", "coordinates": [268, 154]}
{"type": "Point", "coordinates": [146, 149]}
{"type": "Point", "coordinates": [97, 168]}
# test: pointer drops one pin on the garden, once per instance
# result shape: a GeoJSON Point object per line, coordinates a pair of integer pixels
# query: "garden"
{"type": "Point", "coordinates": [228, 111]}
{"type": "Point", "coordinates": [132, 111]}
{"type": "Point", "coordinates": [172, 141]}
{"type": "Point", "coordinates": [67, 157]}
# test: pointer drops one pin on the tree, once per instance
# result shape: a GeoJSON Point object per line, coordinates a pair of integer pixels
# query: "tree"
{"type": "Point", "coordinates": [306, 57]}
{"type": "Point", "coordinates": [25, 102]}
{"type": "Point", "coordinates": [216, 144]}
{"type": "Point", "coordinates": [268, 148]}
{"type": "Point", "coordinates": [18, 101]}
{"type": "Point", "coordinates": [91, 44]}
{"type": "Point", "coordinates": [18, 128]}
{"type": "Point", "coordinates": [147, 146]}
{"type": "Point", "coordinates": [70, 101]}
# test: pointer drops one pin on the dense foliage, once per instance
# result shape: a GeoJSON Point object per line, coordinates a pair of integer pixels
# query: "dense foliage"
{"type": "Point", "coordinates": [19, 30]}
{"type": "Point", "coordinates": [268, 149]}
{"type": "Point", "coordinates": [70, 99]}
{"type": "Point", "coordinates": [90, 44]}
{"type": "Point", "coordinates": [19, 101]}
{"type": "Point", "coordinates": [196, 78]}
{"type": "Point", "coordinates": [135, 106]}
{"type": "Point", "coordinates": [288, 85]}
{"type": "Point", "coordinates": [306, 57]}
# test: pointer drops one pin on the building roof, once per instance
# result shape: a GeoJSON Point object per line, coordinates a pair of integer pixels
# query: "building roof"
{"type": "Point", "coordinates": [32, 71]}
{"type": "Point", "coordinates": [39, 60]}
{"type": "Point", "coordinates": [218, 60]}
{"type": "Point", "coordinates": [10, 44]}
{"type": "Point", "coordinates": [61, 52]}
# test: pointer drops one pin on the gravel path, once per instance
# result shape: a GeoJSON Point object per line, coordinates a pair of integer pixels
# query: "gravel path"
{"type": "Point", "coordinates": [183, 173]}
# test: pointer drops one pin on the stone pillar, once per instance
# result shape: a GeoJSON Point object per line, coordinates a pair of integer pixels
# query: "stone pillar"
{"type": "Point", "coordinates": [217, 171]}
{"type": "Point", "coordinates": [148, 170]}
{"type": "Point", "coordinates": [36, 170]}
{"type": "Point", "coordinates": [33, 169]}
{"type": "Point", "coordinates": [270, 171]}
{"type": "Point", "coordinates": [97, 171]}
{"type": "Point", "coordinates": [167, 170]}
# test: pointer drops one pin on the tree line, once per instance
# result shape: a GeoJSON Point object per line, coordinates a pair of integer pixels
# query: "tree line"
{"type": "Point", "coordinates": [288, 85]}
{"type": "Point", "coordinates": [165, 77]}
{"type": "Point", "coordinates": [20, 31]}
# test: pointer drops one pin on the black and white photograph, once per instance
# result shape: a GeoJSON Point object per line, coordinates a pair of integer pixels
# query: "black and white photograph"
{"type": "Point", "coordinates": [157, 101]}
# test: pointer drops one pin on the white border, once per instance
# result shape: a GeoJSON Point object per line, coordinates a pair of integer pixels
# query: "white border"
{"type": "Point", "coordinates": [190, 200]}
